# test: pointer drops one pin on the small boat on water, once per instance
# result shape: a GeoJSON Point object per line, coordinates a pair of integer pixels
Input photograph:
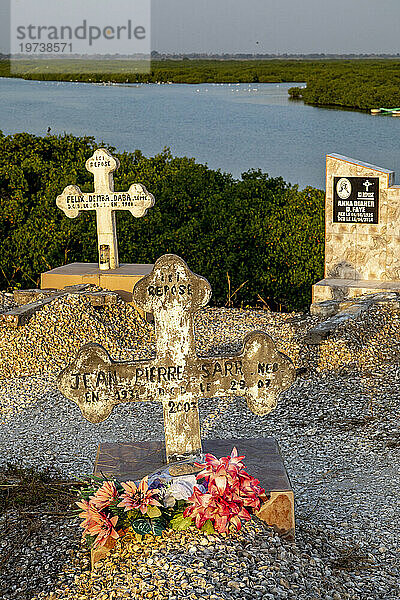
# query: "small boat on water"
{"type": "Point", "coordinates": [395, 112]}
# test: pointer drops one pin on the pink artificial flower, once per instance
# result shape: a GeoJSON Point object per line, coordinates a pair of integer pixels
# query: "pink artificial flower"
{"type": "Point", "coordinates": [103, 529]}
{"type": "Point", "coordinates": [104, 495]}
{"type": "Point", "coordinates": [201, 508]}
{"type": "Point", "coordinates": [139, 498]}
{"type": "Point", "coordinates": [250, 490]}
{"type": "Point", "coordinates": [89, 514]}
{"type": "Point", "coordinates": [221, 512]}
{"type": "Point", "coordinates": [231, 464]}
{"type": "Point", "coordinates": [97, 524]}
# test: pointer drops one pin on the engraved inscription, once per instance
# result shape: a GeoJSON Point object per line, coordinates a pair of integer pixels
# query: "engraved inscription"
{"type": "Point", "coordinates": [356, 200]}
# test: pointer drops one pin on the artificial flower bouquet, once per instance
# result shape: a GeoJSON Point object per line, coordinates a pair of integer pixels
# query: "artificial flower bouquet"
{"type": "Point", "coordinates": [217, 499]}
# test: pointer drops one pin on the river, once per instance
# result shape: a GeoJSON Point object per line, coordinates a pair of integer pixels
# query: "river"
{"type": "Point", "coordinates": [232, 127]}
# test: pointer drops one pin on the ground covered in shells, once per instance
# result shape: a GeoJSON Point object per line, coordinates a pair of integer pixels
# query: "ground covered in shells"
{"type": "Point", "coordinates": [337, 428]}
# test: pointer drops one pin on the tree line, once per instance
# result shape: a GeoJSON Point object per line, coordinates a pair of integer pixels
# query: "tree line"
{"type": "Point", "coordinates": [359, 84]}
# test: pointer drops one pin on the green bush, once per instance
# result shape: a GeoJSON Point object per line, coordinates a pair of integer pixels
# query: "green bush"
{"type": "Point", "coordinates": [295, 93]}
{"type": "Point", "coordinates": [258, 229]}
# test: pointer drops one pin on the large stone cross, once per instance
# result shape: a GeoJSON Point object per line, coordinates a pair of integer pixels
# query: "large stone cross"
{"type": "Point", "coordinates": [177, 376]}
{"type": "Point", "coordinates": [105, 201]}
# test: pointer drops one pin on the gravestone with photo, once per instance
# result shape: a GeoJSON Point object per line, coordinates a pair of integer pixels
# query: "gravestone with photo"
{"type": "Point", "coordinates": [105, 201]}
{"type": "Point", "coordinates": [177, 377]}
{"type": "Point", "coordinates": [362, 230]}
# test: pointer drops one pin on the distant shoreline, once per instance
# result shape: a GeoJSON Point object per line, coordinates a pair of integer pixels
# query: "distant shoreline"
{"type": "Point", "coordinates": [356, 83]}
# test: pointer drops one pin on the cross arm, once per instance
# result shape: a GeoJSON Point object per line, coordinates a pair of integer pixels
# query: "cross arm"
{"type": "Point", "coordinates": [138, 201]}
{"type": "Point", "coordinates": [71, 201]}
{"type": "Point", "coordinates": [260, 373]}
{"type": "Point", "coordinates": [96, 383]}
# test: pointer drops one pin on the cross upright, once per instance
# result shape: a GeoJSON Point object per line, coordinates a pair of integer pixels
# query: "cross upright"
{"type": "Point", "coordinates": [105, 201]}
{"type": "Point", "coordinates": [177, 376]}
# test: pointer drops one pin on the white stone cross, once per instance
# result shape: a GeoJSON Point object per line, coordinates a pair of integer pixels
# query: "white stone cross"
{"type": "Point", "coordinates": [105, 201]}
{"type": "Point", "coordinates": [177, 376]}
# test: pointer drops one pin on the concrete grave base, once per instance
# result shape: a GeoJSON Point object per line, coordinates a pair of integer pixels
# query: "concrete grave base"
{"type": "Point", "coordinates": [121, 280]}
{"type": "Point", "coordinates": [263, 460]}
{"type": "Point", "coordinates": [340, 289]}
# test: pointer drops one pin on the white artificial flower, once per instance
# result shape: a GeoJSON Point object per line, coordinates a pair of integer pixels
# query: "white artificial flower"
{"type": "Point", "coordinates": [180, 489]}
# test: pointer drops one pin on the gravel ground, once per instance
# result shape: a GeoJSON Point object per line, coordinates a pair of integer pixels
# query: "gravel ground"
{"type": "Point", "coordinates": [338, 431]}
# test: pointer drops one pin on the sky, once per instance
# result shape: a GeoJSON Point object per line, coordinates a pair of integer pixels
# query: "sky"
{"type": "Point", "coordinates": [279, 26]}
{"type": "Point", "coordinates": [264, 26]}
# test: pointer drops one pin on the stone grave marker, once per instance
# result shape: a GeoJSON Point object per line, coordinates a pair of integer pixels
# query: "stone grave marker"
{"type": "Point", "coordinates": [105, 201]}
{"type": "Point", "coordinates": [362, 230]}
{"type": "Point", "coordinates": [177, 376]}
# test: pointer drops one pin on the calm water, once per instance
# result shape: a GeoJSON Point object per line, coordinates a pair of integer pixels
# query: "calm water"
{"type": "Point", "coordinates": [231, 127]}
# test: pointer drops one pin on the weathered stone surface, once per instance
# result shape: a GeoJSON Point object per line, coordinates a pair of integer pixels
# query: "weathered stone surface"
{"type": "Point", "coordinates": [105, 201]}
{"type": "Point", "coordinates": [346, 310]}
{"type": "Point", "coordinates": [101, 298]}
{"type": "Point", "coordinates": [177, 376]}
{"type": "Point", "coordinates": [325, 309]}
{"type": "Point", "coordinates": [25, 296]}
{"type": "Point", "coordinates": [322, 331]}
{"type": "Point", "coordinates": [17, 317]}
{"type": "Point", "coordinates": [20, 315]}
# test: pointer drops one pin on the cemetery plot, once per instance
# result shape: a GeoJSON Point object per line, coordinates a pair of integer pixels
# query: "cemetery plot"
{"type": "Point", "coordinates": [361, 231]}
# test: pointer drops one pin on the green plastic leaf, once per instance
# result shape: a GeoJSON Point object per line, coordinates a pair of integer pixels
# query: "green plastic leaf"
{"type": "Point", "coordinates": [145, 526]}
{"type": "Point", "coordinates": [86, 493]}
{"type": "Point", "coordinates": [208, 527]}
{"type": "Point", "coordinates": [158, 526]}
{"type": "Point", "coordinates": [132, 514]}
{"type": "Point", "coordinates": [179, 522]}
{"type": "Point", "coordinates": [153, 512]}
{"type": "Point", "coordinates": [115, 509]}
{"type": "Point", "coordinates": [141, 526]}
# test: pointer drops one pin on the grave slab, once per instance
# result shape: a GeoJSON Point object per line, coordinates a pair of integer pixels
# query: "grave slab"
{"type": "Point", "coordinates": [362, 225]}
{"type": "Point", "coordinates": [340, 289]}
{"type": "Point", "coordinates": [121, 280]}
{"type": "Point", "coordinates": [263, 460]}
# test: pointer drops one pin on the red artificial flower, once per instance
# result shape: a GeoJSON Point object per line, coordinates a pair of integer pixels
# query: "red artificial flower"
{"type": "Point", "coordinates": [230, 490]}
